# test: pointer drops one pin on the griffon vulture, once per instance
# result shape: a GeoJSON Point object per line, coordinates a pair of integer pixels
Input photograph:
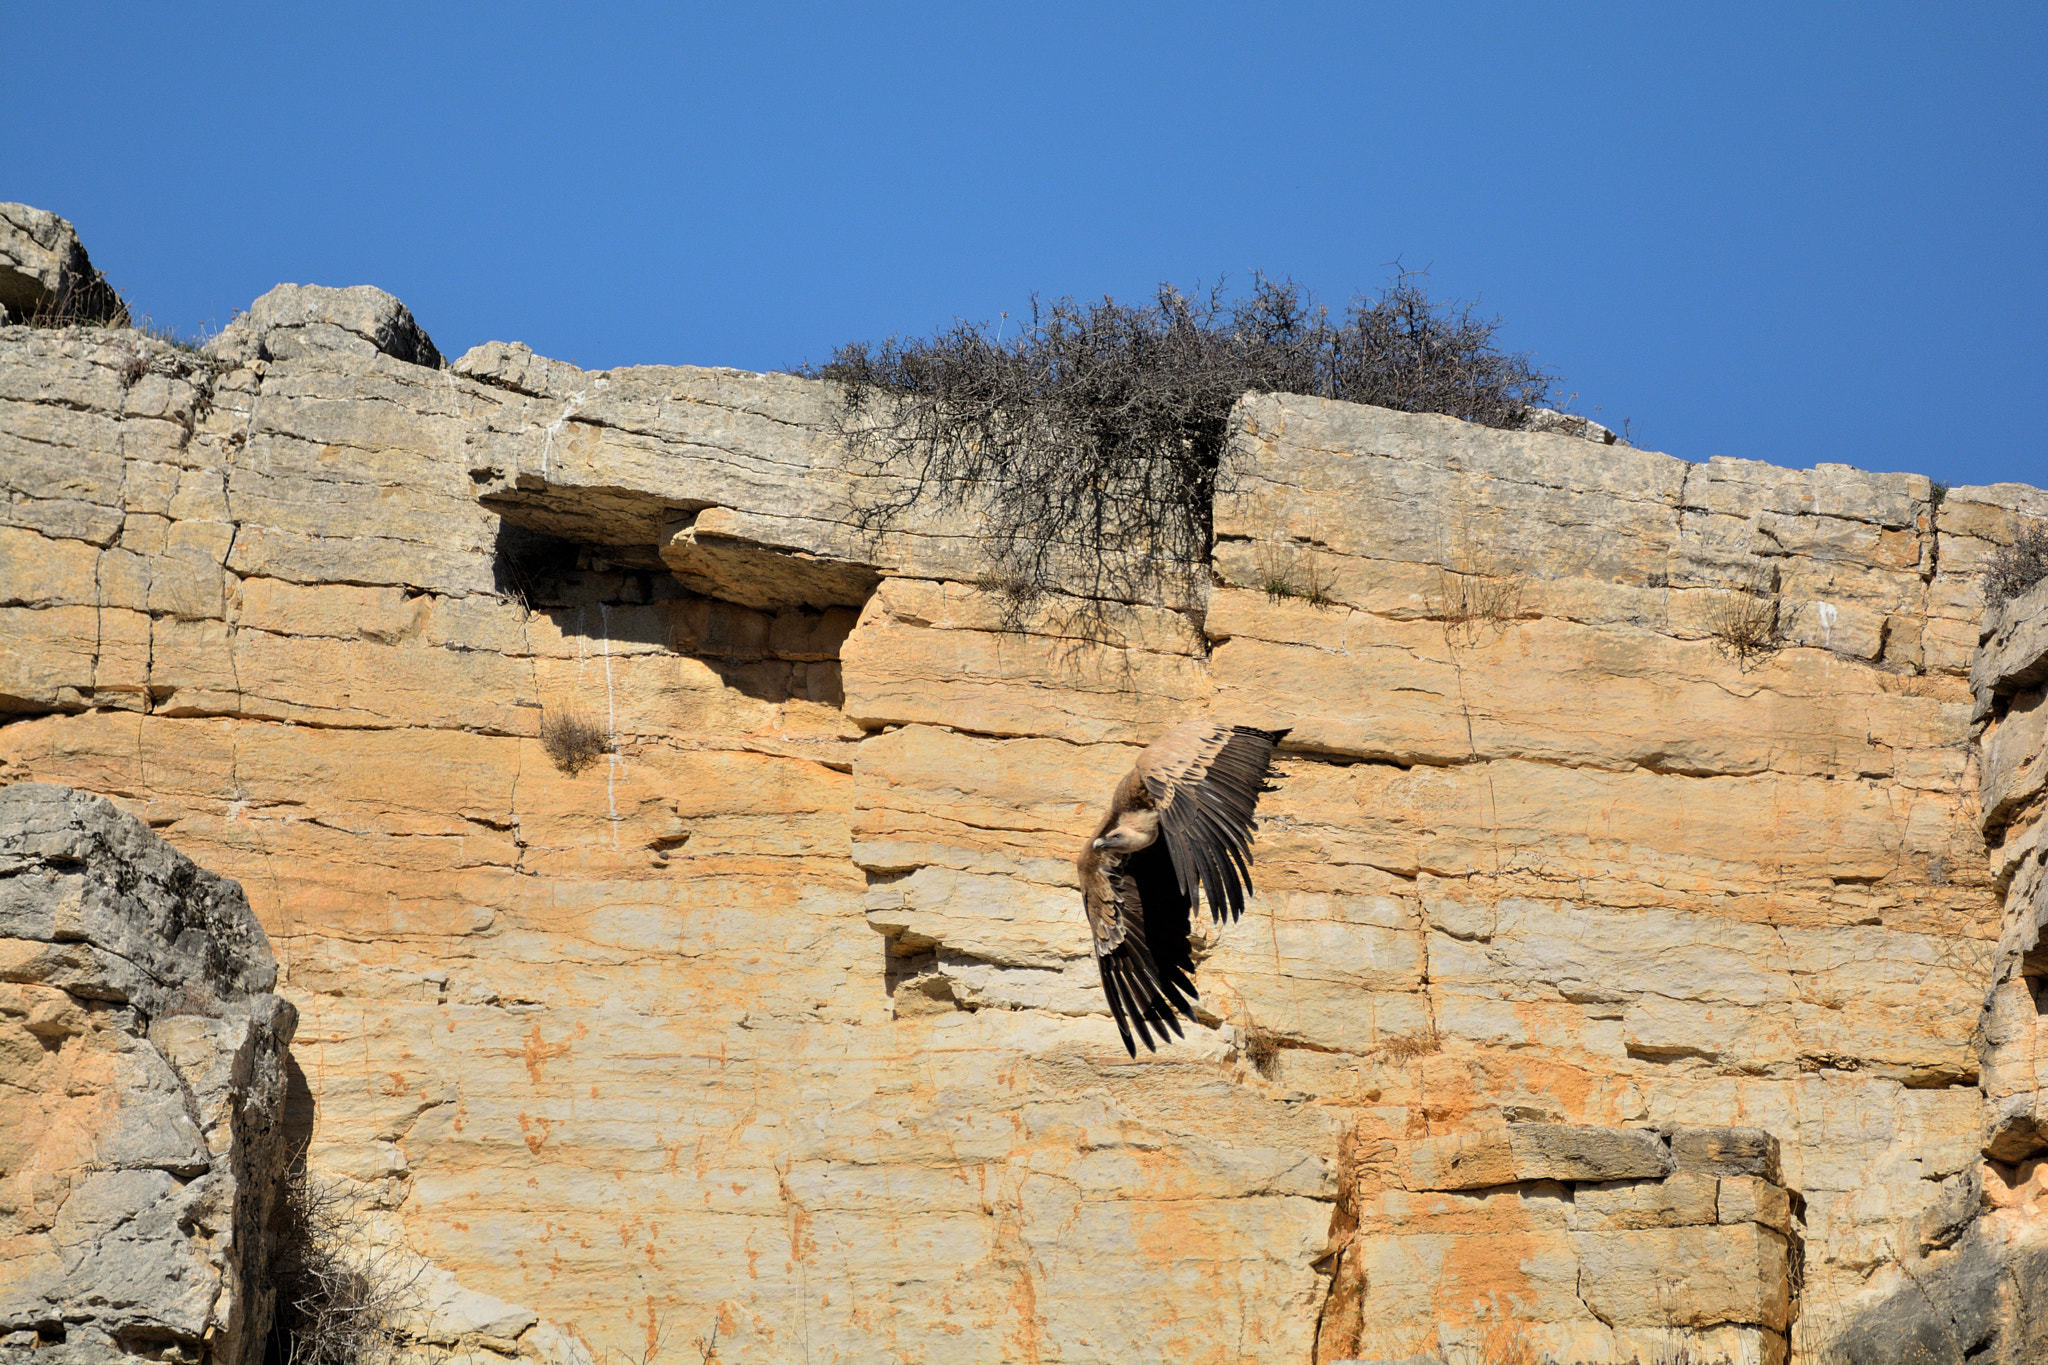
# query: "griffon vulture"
{"type": "Point", "coordinates": [1180, 823]}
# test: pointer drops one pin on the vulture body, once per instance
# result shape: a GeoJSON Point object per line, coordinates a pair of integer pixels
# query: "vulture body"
{"type": "Point", "coordinates": [1178, 832]}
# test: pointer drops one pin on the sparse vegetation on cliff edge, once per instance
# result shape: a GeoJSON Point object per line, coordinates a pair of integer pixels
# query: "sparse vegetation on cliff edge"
{"type": "Point", "coordinates": [2019, 566]}
{"type": "Point", "coordinates": [1094, 438]}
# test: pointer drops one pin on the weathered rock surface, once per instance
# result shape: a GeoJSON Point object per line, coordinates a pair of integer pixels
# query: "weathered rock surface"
{"type": "Point", "coordinates": [302, 319]}
{"type": "Point", "coordinates": [781, 1022]}
{"type": "Point", "coordinates": [1974, 1290]}
{"type": "Point", "coordinates": [44, 271]}
{"type": "Point", "coordinates": [1570, 424]}
{"type": "Point", "coordinates": [143, 1078]}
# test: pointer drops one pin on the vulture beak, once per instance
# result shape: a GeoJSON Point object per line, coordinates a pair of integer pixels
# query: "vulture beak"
{"type": "Point", "coordinates": [1097, 844]}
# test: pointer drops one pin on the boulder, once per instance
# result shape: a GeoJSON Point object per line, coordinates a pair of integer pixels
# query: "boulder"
{"type": "Point", "coordinates": [295, 320]}
{"type": "Point", "coordinates": [143, 1055]}
{"type": "Point", "coordinates": [44, 272]}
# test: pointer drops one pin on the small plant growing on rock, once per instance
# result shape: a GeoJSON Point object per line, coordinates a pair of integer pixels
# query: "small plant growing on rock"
{"type": "Point", "coordinates": [1749, 623]}
{"type": "Point", "coordinates": [133, 366]}
{"type": "Point", "coordinates": [1261, 1048]}
{"type": "Point", "coordinates": [573, 740]}
{"type": "Point", "coordinates": [1478, 595]}
{"type": "Point", "coordinates": [1288, 568]}
{"type": "Point", "coordinates": [1016, 595]}
{"type": "Point", "coordinates": [85, 303]}
{"type": "Point", "coordinates": [1474, 601]}
{"type": "Point", "coordinates": [2019, 566]}
{"type": "Point", "coordinates": [1406, 1047]}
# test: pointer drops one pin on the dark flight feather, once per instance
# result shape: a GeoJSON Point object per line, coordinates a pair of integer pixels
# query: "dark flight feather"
{"type": "Point", "coordinates": [1205, 781]}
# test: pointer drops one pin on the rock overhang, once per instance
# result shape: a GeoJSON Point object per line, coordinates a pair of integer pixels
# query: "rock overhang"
{"type": "Point", "coordinates": [1812, 790]}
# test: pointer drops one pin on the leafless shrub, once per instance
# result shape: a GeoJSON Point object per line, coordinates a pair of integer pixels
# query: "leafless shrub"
{"type": "Point", "coordinates": [1093, 441]}
{"type": "Point", "coordinates": [2018, 566]}
{"type": "Point", "coordinates": [338, 1301]}
{"type": "Point", "coordinates": [573, 740]}
{"type": "Point", "coordinates": [1748, 624]}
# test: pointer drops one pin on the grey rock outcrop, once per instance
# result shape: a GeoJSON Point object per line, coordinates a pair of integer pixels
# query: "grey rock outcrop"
{"type": "Point", "coordinates": [1570, 424]}
{"type": "Point", "coordinates": [294, 320]}
{"type": "Point", "coordinates": [44, 271]}
{"type": "Point", "coordinates": [1981, 1303]}
{"type": "Point", "coordinates": [142, 1056]}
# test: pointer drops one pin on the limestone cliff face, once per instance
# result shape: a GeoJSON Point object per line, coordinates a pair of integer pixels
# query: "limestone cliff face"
{"type": "Point", "coordinates": [143, 1089]}
{"type": "Point", "coordinates": [1626, 918]}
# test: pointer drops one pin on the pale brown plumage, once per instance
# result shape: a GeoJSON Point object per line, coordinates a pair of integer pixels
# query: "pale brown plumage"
{"type": "Point", "coordinates": [1178, 830]}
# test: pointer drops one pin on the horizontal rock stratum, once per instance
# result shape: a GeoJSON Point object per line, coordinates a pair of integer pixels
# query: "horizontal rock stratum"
{"type": "Point", "coordinates": [1611, 988]}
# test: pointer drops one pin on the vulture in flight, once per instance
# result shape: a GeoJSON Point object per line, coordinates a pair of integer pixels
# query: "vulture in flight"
{"type": "Point", "coordinates": [1179, 824]}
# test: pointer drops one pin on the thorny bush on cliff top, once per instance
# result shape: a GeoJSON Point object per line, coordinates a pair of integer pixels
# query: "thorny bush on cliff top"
{"type": "Point", "coordinates": [1093, 441]}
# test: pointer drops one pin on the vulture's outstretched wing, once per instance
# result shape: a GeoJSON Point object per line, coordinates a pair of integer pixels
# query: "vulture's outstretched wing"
{"type": "Point", "coordinates": [1140, 922]}
{"type": "Point", "coordinates": [1205, 780]}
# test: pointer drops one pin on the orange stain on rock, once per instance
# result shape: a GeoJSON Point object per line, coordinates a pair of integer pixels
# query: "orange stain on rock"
{"type": "Point", "coordinates": [535, 1142]}
{"type": "Point", "coordinates": [539, 1053]}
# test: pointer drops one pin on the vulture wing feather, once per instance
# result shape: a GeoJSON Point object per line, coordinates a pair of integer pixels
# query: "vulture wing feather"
{"type": "Point", "coordinates": [1141, 948]}
{"type": "Point", "coordinates": [1205, 780]}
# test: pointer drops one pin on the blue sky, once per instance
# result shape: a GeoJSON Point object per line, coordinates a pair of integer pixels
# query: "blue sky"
{"type": "Point", "coordinates": [1788, 232]}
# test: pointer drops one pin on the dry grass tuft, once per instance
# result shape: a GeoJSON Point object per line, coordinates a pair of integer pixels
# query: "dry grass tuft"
{"type": "Point", "coordinates": [1475, 601]}
{"type": "Point", "coordinates": [1407, 1047]}
{"type": "Point", "coordinates": [85, 303]}
{"type": "Point", "coordinates": [573, 740]}
{"type": "Point", "coordinates": [1290, 568]}
{"type": "Point", "coordinates": [1017, 597]}
{"type": "Point", "coordinates": [1261, 1049]}
{"type": "Point", "coordinates": [1479, 595]}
